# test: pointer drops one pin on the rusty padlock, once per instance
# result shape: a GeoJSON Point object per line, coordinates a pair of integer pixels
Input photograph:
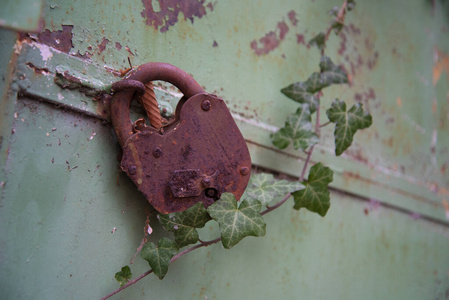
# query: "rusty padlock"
{"type": "Point", "coordinates": [199, 156]}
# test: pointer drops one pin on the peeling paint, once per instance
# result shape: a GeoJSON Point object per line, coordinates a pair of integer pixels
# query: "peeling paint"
{"type": "Point", "coordinates": [353, 56]}
{"type": "Point", "coordinates": [300, 39]}
{"type": "Point", "coordinates": [272, 39]}
{"type": "Point", "coordinates": [161, 15]}
{"type": "Point", "coordinates": [293, 17]}
{"type": "Point", "coordinates": [102, 45]}
{"type": "Point", "coordinates": [58, 39]}
{"type": "Point", "coordinates": [45, 51]}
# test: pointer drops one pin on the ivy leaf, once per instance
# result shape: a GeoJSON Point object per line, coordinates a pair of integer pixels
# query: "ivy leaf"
{"type": "Point", "coordinates": [330, 73]}
{"type": "Point", "coordinates": [315, 196]}
{"type": "Point", "coordinates": [334, 11]}
{"type": "Point", "coordinates": [319, 40]}
{"type": "Point", "coordinates": [124, 275]}
{"type": "Point", "coordinates": [264, 187]}
{"type": "Point", "coordinates": [350, 5]}
{"type": "Point", "coordinates": [299, 92]}
{"type": "Point", "coordinates": [337, 26]}
{"type": "Point", "coordinates": [347, 123]}
{"type": "Point", "coordinates": [303, 92]}
{"type": "Point", "coordinates": [159, 256]}
{"type": "Point", "coordinates": [297, 130]}
{"type": "Point", "coordinates": [184, 224]}
{"type": "Point", "coordinates": [237, 222]}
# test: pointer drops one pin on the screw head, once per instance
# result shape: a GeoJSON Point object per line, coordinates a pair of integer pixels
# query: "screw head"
{"type": "Point", "coordinates": [206, 105]}
{"type": "Point", "coordinates": [244, 171]}
{"type": "Point", "coordinates": [157, 152]}
{"type": "Point", "coordinates": [132, 170]}
{"type": "Point", "coordinates": [205, 182]}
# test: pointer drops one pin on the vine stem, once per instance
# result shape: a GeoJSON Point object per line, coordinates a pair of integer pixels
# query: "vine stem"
{"type": "Point", "coordinates": [325, 124]}
{"type": "Point", "coordinates": [184, 252]}
{"type": "Point", "coordinates": [340, 18]}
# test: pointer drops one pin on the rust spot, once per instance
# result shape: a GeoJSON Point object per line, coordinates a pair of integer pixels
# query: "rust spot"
{"type": "Point", "coordinates": [86, 55]}
{"type": "Point", "coordinates": [300, 39]}
{"type": "Point", "coordinates": [102, 45]}
{"type": "Point", "coordinates": [283, 29]}
{"type": "Point", "coordinates": [215, 44]}
{"type": "Point", "coordinates": [58, 39]}
{"type": "Point", "coordinates": [372, 62]}
{"type": "Point", "coordinates": [118, 46]}
{"type": "Point", "coordinates": [40, 71]}
{"type": "Point", "coordinates": [441, 65]}
{"type": "Point", "coordinates": [161, 15]}
{"type": "Point", "coordinates": [342, 48]}
{"type": "Point", "coordinates": [271, 40]}
{"type": "Point", "coordinates": [292, 17]}
{"type": "Point", "coordinates": [399, 102]}
{"type": "Point", "coordinates": [103, 105]}
{"type": "Point", "coordinates": [352, 29]}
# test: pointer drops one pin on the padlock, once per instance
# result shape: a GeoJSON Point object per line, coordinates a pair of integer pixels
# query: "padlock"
{"type": "Point", "coordinates": [197, 157]}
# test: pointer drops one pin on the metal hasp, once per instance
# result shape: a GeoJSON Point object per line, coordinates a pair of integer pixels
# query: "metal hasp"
{"type": "Point", "coordinates": [197, 157]}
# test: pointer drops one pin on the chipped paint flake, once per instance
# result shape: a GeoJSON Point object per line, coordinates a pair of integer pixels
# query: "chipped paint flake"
{"type": "Point", "coordinates": [46, 52]}
{"type": "Point", "coordinates": [163, 14]}
{"type": "Point", "coordinates": [17, 47]}
{"type": "Point", "coordinates": [271, 40]}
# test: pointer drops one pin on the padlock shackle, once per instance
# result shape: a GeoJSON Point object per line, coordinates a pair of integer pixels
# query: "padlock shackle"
{"type": "Point", "coordinates": [121, 100]}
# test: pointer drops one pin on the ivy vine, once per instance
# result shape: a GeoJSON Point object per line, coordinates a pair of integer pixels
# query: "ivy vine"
{"type": "Point", "coordinates": [237, 220]}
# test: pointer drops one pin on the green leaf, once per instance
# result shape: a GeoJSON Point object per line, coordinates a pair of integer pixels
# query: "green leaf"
{"type": "Point", "coordinates": [334, 11]}
{"type": "Point", "coordinates": [337, 26]}
{"type": "Point", "coordinates": [159, 256]}
{"type": "Point", "coordinates": [330, 73]}
{"type": "Point", "coordinates": [315, 196]}
{"type": "Point", "coordinates": [347, 123]}
{"type": "Point", "coordinates": [303, 92]}
{"type": "Point", "coordinates": [124, 275]}
{"type": "Point", "coordinates": [297, 130]}
{"type": "Point", "coordinates": [183, 224]}
{"type": "Point", "coordinates": [350, 5]}
{"type": "Point", "coordinates": [237, 222]}
{"type": "Point", "coordinates": [299, 93]}
{"type": "Point", "coordinates": [319, 40]}
{"type": "Point", "coordinates": [264, 187]}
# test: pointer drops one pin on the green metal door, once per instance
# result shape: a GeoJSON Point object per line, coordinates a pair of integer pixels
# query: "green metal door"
{"type": "Point", "coordinates": [70, 219]}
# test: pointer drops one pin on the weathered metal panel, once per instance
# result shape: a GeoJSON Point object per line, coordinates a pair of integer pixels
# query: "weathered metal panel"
{"type": "Point", "coordinates": [255, 56]}
{"type": "Point", "coordinates": [21, 15]}
{"type": "Point", "coordinates": [63, 194]}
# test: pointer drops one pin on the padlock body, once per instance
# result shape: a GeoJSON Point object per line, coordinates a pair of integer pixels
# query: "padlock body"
{"type": "Point", "coordinates": [197, 158]}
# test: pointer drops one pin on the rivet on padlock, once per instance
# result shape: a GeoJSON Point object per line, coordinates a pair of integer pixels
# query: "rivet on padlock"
{"type": "Point", "coordinates": [199, 156]}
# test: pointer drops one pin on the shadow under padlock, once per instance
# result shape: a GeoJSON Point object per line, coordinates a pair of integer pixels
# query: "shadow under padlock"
{"type": "Point", "coordinates": [197, 157]}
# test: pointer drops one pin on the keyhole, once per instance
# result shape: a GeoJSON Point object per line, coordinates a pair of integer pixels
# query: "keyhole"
{"type": "Point", "coordinates": [212, 193]}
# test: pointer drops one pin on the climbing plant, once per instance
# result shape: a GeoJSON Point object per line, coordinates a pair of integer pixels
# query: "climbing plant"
{"type": "Point", "coordinates": [240, 219]}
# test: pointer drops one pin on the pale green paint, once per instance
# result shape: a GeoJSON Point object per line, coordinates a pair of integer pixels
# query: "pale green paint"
{"type": "Point", "coordinates": [56, 220]}
{"type": "Point", "coordinates": [21, 15]}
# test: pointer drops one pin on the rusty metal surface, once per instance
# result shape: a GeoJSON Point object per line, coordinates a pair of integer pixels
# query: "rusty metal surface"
{"type": "Point", "coordinates": [197, 158]}
{"type": "Point", "coordinates": [146, 73]}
